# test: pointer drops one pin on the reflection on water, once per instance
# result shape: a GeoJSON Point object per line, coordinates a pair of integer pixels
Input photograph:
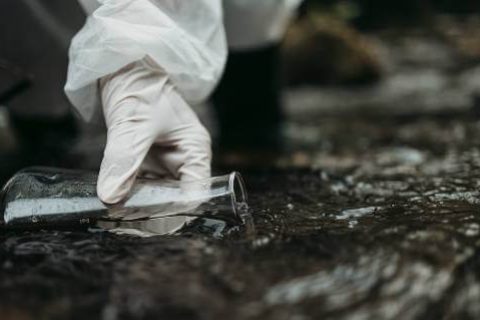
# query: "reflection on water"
{"type": "Point", "coordinates": [211, 223]}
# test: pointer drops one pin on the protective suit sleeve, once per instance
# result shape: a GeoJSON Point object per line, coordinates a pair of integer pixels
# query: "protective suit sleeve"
{"type": "Point", "coordinates": [89, 6]}
{"type": "Point", "coordinates": [185, 39]}
{"type": "Point", "coordinates": [252, 24]}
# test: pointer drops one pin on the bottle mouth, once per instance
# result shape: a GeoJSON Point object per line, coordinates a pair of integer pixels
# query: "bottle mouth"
{"type": "Point", "coordinates": [238, 193]}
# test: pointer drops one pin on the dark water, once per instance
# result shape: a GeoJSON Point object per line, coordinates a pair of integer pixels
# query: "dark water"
{"type": "Point", "coordinates": [387, 227]}
{"type": "Point", "coordinates": [378, 219]}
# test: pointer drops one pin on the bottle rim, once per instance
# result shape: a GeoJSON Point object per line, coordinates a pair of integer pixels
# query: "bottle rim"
{"type": "Point", "coordinates": [238, 192]}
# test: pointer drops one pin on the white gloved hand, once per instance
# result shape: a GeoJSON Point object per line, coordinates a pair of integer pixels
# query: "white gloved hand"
{"type": "Point", "coordinates": [150, 129]}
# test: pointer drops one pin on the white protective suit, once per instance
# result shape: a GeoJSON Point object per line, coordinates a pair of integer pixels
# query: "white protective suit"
{"type": "Point", "coordinates": [154, 58]}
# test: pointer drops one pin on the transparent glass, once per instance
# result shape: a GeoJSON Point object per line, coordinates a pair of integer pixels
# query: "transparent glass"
{"type": "Point", "coordinates": [41, 196]}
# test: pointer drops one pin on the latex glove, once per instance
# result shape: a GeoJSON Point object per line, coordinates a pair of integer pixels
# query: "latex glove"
{"type": "Point", "coordinates": [150, 129]}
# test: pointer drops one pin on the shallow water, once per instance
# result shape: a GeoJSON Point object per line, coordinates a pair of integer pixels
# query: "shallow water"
{"type": "Point", "coordinates": [380, 237]}
{"type": "Point", "coordinates": [374, 214]}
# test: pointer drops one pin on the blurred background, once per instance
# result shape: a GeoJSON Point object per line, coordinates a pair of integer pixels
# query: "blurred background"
{"type": "Point", "coordinates": [340, 59]}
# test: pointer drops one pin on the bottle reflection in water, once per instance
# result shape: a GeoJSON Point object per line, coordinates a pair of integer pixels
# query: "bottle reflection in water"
{"type": "Point", "coordinates": [42, 197]}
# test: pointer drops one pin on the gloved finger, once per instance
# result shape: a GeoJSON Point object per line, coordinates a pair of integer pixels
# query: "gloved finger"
{"type": "Point", "coordinates": [188, 159]}
{"type": "Point", "coordinates": [128, 140]}
{"type": "Point", "coordinates": [197, 158]}
{"type": "Point", "coordinates": [152, 167]}
{"type": "Point", "coordinates": [182, 148]}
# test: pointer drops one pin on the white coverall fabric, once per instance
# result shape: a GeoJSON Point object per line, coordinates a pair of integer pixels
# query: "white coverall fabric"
{"type": "Point", "coordinates": [89, 5]}
{"type": "Point", "coordinates": [185, 38]}
{"type": "Point", "coordinates": [255, 23]}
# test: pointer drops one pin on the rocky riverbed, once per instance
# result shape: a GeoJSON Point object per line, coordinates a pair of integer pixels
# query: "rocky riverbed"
{"type": "Point", "coordinates": [372, 214]}
{"type": "Point", "coordinates": [384, 224]}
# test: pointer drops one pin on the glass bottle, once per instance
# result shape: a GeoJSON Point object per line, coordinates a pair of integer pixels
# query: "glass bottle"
{"type": "Point", "coordinates": [43, 197]}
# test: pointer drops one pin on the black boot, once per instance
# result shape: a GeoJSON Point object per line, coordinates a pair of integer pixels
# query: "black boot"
{"type": "Point", "coordinates": [247, 101]}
